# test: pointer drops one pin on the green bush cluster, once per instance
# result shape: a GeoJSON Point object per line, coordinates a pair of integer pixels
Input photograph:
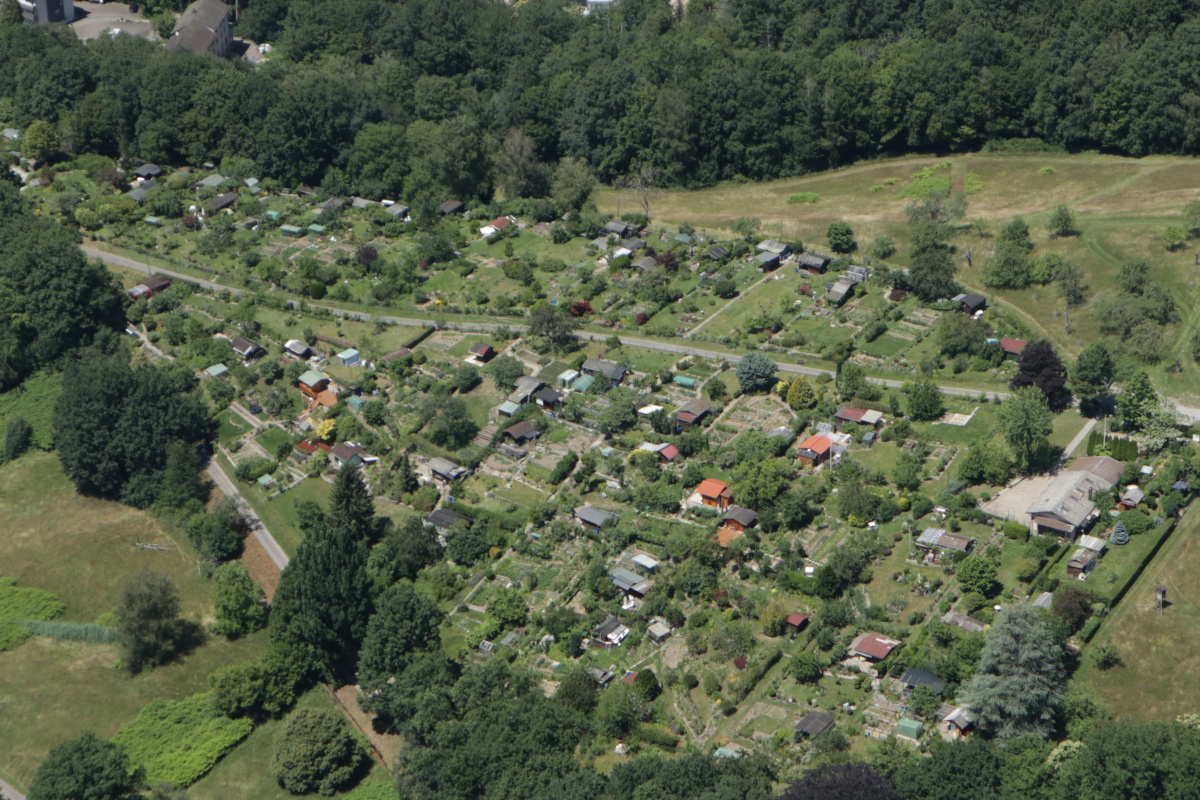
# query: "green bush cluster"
{"type": "Point", "coordinates": [179, 742]}
{"type": "Point", "coordinates": [655, 734]}
{"type": "Point", "coordinates": [88, 632]}
{"type": "Point", "coordinates": [804, 197]}
{"type": "Point", "coordinates": [21, 605]}
{"type": "Point", "coordinates": [1015, 530]}
{"type": "Point", "coordinates": [34, 402]}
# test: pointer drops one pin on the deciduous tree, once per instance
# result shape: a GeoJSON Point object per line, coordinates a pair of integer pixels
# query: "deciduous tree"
{"type": "Point", "coordinates": [405, 625]}
{"type": "Point", "coordinates": [1040, 366]}
{"type": "Point", "coordinates": [87, 767]}
{"type": "Point", "coordinates": [314, 752]}
{"type": "Point", "coordinates": [40, 140]}
{"type": "Point", "coordinates": [1061, 222]}
{"type": "Point", "coordinates": [149, 631]}
{"type": "Point", "coordinates": [841, 238]}
{"type": "Point", "coordinates": [1026, 421]}
{"type": "Point", "coordinates": [925, 401]}
{"type": "Point", "coordinates": [554, 326]}
{"type": "Point", "coordinates": [238, 601]}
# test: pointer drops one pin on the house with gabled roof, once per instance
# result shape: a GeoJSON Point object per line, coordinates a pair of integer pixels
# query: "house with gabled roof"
{"type": "Point", "coordinates": [444, 521]}
{"type": "Point", "coordinates": [445, 470]}
{"type": "Point", "coordinates": [666, 452]}
{"type": "Point", "coordinates": [814, 450]}
{"type": "Point", "coordinates": [1012, 347]}
{"type": "Point", "coordinates": [815, 263]}
{"type": "Point", "coordinates": [614, 372]}
{"type": "Point", "coordinates": [203, 28]}
{"type": "Point", "coordinates": [715, 494]}
{"type": "Point", "coordinates": [859, 416]}
{"type": "Point", "coordinates": [873, 646]}
{"type": "Point", "coordinates": [247, 349]}
{"type": "Point", "coordinates": [1065, 506]}
{"type": "Point", "coordinates": [593, 517]}
{"type": "Point", "coordinates": [937, 545]}
{"type": "Point", "coordinates": [691, 413]}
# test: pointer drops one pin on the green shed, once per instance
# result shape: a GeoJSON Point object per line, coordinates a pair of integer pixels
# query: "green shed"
{"type": "Point", "coordinates": [685, 381]}
{"type": "Point", "coordinates": [910, 728]}
{"type": "Point", "coordinates": [317, 229]}
{"type": "Point", "coordinates": [290, 230]}
{"type": "Point", "coordinates": [275, 214]}
{"type": "Point", "coordinates": [356, 402]}
{"type": "Point", "coordinates": [153, 221]}
{"type": "Point", "coordinates": [583, 384]}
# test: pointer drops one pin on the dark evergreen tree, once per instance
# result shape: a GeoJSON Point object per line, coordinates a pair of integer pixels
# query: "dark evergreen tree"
{"type": "Point", "coordinates": [351, 504]}
{"type": "Point", "coordinates": [324, 599]}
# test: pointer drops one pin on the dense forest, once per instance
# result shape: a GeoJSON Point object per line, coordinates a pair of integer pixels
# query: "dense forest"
{"type": "Point", "coordinates": [458, 97]}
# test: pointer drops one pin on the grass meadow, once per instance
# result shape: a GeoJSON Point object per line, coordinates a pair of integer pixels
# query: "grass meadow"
{"type": "Point", "coordinates": [82, 550]}
{"type": "Point", "coordinates": [1160, 654]}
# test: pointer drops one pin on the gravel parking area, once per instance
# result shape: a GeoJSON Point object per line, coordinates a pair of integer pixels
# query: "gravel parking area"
{"type": "Point", "coordinates": [93, 19]}
{"type": "Point", "coordinates": [1012, 503]}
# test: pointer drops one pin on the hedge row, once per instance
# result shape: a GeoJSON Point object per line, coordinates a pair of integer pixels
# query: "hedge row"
{"type": "Point", "coordinates": [72, 631]}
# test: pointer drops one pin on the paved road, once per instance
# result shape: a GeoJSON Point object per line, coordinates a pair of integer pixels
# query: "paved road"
{"type": "Point", "coordinates": [9, 793]}
{"type": "Point", "coordinates": [665, 347]}
{"type": "Point", "coordinates": [230, 489]}
{"type": "Point", "coordinates": [1079, 438]}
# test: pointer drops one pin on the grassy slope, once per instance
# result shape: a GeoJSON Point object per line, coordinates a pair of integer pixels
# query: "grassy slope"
{"type": "Point", "coordinates": [1122, 206]}
{"type": "Point", "coordinates": [82, 550]}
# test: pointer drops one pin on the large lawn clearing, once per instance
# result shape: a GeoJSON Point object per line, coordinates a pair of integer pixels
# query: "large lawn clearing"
{"type": "Point", "coordinates": [83, 550]}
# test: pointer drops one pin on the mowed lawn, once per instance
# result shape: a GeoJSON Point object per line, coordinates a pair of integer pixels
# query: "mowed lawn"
{"type": "Point", "coordinates": [82, 549]}
{"type": "Point", "coordinates": [1160, 654]}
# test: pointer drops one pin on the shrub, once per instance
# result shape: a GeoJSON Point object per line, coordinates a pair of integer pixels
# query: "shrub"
{"type": "Point", "coordinates": [316, 753]}
{"type": "Point", "coordinates": [873, 330]}
{"type": "Point", "coordinates": [804, 197]}
{"type": "Point", "coordinates": [21, 605]}
{"type": "Point", "coordinates": [1017, 531]}
{"type": "Point", "coordinates": [179, 742]}
{"type": "Point", "coordinates": [653, 734]}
